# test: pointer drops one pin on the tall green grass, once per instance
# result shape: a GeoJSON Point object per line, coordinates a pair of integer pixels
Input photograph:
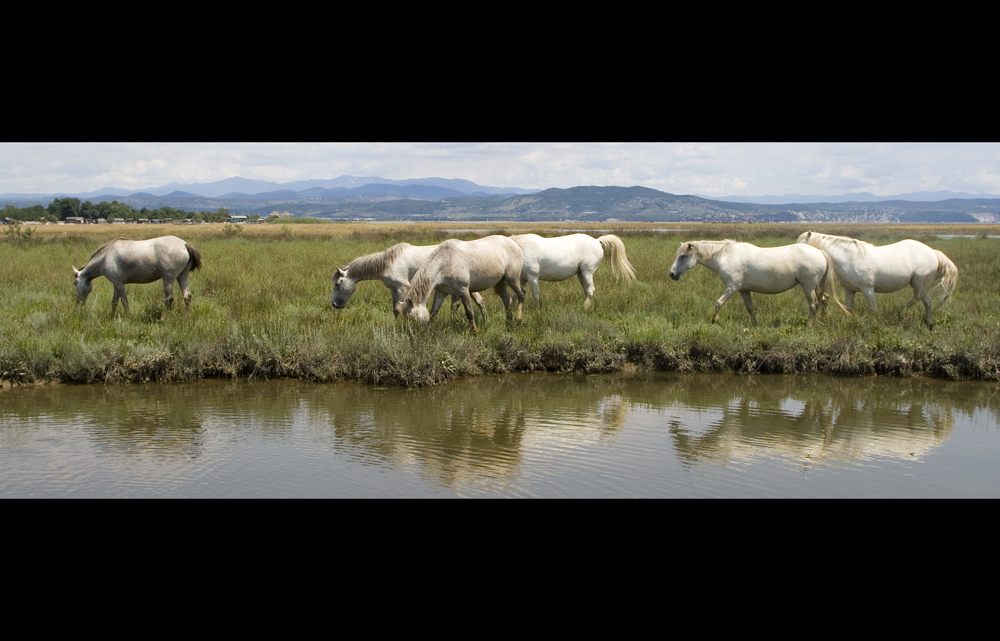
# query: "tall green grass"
{"type": "Point", "coordinates": [261, 308]}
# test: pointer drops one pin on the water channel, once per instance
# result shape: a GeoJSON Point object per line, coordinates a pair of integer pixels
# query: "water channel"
{"type": "Point", "coordinates": [531, 435]}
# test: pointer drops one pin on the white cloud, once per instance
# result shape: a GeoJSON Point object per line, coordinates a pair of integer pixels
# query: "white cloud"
{"type": "Point", "coordinates": [714, 169]}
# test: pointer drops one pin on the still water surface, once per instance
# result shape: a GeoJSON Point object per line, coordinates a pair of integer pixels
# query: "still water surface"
{"type": "Point", "coordinates": [650, 435]}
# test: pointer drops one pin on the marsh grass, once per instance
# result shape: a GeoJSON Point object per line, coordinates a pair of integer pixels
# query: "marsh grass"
{"type": "Point", "coordinates": [261, 309]}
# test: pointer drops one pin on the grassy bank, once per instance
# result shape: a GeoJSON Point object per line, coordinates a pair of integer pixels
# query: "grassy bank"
{"type": "Point", "coordinates": [262, 309]}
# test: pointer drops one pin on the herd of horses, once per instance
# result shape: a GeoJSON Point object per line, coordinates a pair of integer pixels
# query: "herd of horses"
{"type": "Point", "coordinates": [507, 264]}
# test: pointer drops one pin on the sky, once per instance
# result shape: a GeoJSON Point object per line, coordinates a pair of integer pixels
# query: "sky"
{"type": "Point", "coordinates": [708, 169]}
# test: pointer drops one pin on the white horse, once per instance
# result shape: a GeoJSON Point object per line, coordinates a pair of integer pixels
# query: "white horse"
{"type": "Point", "coordinates": [459, 267]}
{"type": "Point", "coordinates": [167, 258]}
{"type": "Point", "coordinates": [394, 267]}
{"type": "Point", "coordinates": [746, 268]}
{"type": "Point", "coordinates": [555, 259]}
{"type": "Point", "coordinates": [863, 267]}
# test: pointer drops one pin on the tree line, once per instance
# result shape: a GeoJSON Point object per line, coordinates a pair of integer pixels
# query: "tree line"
{"type": "Point", "coordinates": [63, 208]}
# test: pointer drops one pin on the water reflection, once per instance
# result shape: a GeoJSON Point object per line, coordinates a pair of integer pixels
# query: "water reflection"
{"type": "Point", "coordinates": [525, 435]}
{"type": "Point", "coordinates": [815, 418]}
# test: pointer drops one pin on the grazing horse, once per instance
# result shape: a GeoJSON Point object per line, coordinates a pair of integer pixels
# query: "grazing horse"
{"type": "Point", "coordinates": [458, 268]}
{"type": "Point", "coordinates": [746, 268]}
{"type": "Point", "coordinates": [555, 259]}
{"type": "Point", "coordinates": [167, 258]}
{"type": "Point", "coordinates": [394, 267]}
{"type": "Point", "coordinates": [866, 268]}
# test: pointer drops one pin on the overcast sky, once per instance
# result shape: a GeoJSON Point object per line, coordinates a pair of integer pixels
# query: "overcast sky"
{"type": "Point", "coordinates": [710, 169]}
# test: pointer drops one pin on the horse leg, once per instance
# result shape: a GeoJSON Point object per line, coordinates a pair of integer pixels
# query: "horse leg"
{"type": "Point", "coordinates": [438, 300]}
{"type": "Point", "coordinates": [508, 302]}
{"type": "Point", "coordinates": [514, 282]}
{"type": "Point", "coordinates": [533, 282]}
{"type": "Point", "coordinates": [849, 299]}
{"type": "Point", "coordinates": [922, 294]}
{"type": "Point", "coordinates": [729, 291]}
{"type": "Point", "coordinates": [397, 295]}
{"type": "Point", "coordinates": [749, 303]}
{"type": "Point", "coordinates": [119, 294]}
{"type": "Point", "coordinates": [185, 292]}
{"type": "Point", "coordinates": [587, 282]}
{"type": "Point", "coordinates": [813, 301]}
{"type": "Point", "coordinates": [478, 300]}
{"type": "Point", "coordinates": [519, 292]}
{"type": "Point", "coordinates": [869, 295]}
{"type": "Point", "coordinates": [467, 303]}
{"type": "Point", "coordinates": [168, 297]}
{"type": "Point", "coordinates": [821, 300]}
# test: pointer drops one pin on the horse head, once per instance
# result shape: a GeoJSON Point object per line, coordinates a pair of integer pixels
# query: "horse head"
{"type": "Point", "coordinates": [83, 286]}
{"type": "Point", "coordinates": [343, 287]}
{"type": "Point", "coordinates": [408, 308]}
{"type": "Point", "coordinates": [687, 257]}
{"type": "Point", "coordinates": [805, 237]}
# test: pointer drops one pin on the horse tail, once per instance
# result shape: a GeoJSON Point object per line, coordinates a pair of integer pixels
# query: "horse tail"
{"type": "Point", "coordinates": [194, 258]}
{"type": "Point", "coordinates": [828, 285]}
{"type": "Point", "coordinates": [614, 250]}
{"type": "Point", "coordinates": [946, 277]}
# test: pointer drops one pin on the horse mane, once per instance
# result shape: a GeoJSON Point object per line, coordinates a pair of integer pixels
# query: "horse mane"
{"type": "Point", "coordinates": [374, 265]}
{"type": "Point", "coordinates": [420, 284]}
{"type": "Point", "coordinates": [713, 246]}
{"type": "Point", "coordinates": [103, 248]}
{"type": "Point", "coordinates": [860, 245]}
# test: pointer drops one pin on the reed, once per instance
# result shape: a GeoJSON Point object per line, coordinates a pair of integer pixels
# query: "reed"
{"type": "Point", "coordinates": [261, 309]}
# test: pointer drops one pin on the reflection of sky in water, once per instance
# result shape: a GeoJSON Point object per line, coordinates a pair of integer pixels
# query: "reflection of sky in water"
{"type": "Point", "coordinates": [531, 435]}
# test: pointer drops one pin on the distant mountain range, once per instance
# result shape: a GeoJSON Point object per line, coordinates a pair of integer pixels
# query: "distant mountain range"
{"type": "Point", "coordinates": [428, 199]}
{"type": "Point", "coordinates": [857, 197]}
{"type": "Point", "coordinates": [237, 187]}
{"type": "Point", "coordinates": [432, 189]}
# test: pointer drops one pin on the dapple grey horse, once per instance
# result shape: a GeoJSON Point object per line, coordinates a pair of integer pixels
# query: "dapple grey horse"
{"type": "Point", "coordinates": [459, 267]}
{"type": "Point", "coordinates": [394, 267]}
{"type": "Point", "coordinates": [167, 258]}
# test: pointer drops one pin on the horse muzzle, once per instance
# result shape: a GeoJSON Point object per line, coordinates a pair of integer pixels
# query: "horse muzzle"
{"type": "Point", "coordinates": [675, 276]}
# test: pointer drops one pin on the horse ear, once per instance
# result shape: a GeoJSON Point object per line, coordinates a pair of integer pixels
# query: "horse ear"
{"type": "Point", "coordinates": [76, 272]}
{"type": "Point", "coordinates": [690, 246]}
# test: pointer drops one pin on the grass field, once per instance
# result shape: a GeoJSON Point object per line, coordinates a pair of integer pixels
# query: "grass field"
{"type": "Point", "coordinates": [262, 308]}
